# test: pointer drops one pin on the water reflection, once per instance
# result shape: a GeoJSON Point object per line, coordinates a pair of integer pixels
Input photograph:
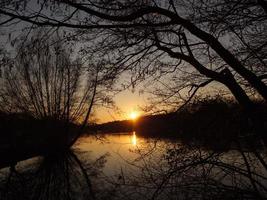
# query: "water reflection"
{"type": "Point", "coordinates": [161, 169]}
{"type": "Point", "coordinates": [134, 138]}
{"type": "Point", "coordinates": [155, 169]}
{"type": "Point", "coordinates": [61, 175]}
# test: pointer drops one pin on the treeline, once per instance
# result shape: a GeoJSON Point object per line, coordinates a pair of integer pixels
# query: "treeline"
{"type": "Point", "coordinates": [220, 123]}
{"type": "Point", "coordinates": [20, 131]}
{"type": "Point", "coordinates": [111, 127]}
{"type": "Point", "coordinates": [209, 122]}
{"type": "Point", "coordinates": [148, 125]}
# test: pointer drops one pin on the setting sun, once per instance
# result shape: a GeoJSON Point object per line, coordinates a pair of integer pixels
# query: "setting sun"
{"type": "Point", "coordinates": [133, 115]}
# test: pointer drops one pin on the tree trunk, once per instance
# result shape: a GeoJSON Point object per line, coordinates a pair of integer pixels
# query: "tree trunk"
{"type": "Point", "coordinates": [253, 119]}
{"type": "Point", "coordinates": [237, 90]}
{"type": "Point", "coordinates": [226, 55]}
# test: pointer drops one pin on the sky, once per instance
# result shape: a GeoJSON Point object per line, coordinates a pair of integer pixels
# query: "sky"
{"type": "Point", "coordinates": [127, 102]}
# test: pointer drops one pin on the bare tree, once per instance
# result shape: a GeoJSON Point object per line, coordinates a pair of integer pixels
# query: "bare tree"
{"type": "Point", "coordinates": [44, 82]}
{"type": "Point", "coordinates": [48, 81]}
{"type": "Point", "coordinates": [151, 28]}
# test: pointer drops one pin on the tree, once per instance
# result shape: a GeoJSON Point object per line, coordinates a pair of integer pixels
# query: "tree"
{"type": "Point", "coordinates": [151, 30]}
{"type": "Point", "coordinates": [244, 22]}
{"type": "Point", "coordinates": [44, 82]}
{"type": "Point", "coordinates": [47, 81]}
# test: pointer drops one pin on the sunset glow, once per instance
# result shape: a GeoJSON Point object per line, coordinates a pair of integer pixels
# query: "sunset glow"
{"type": "Point", "coordinates": [133, 115]}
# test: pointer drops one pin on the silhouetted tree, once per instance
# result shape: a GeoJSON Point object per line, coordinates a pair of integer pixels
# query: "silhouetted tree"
{"type": "Point", "coordinates": [140, 33]}
{"type": "Point", "coordinates": [47, 80]}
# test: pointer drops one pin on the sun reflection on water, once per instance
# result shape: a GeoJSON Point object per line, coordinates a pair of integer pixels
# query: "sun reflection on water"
{"type": "Point", "coordinates": [134, 138]}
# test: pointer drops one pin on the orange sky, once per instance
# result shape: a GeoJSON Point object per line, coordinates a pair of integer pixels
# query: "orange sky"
{"type": "Point", "coordinates": [127, 102]}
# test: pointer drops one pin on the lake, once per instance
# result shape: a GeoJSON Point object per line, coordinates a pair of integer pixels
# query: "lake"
{"type": "Point", "coordinates": [127, 166]}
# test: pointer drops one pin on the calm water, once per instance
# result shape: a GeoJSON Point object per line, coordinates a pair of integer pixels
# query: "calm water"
{"type": "Point", "coordinates": [121, 150]}
{"type": "Point", "coordinates": [126, 166]}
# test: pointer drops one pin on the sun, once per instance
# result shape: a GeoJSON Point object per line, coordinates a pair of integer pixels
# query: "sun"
{"type": "Point", "coordinates": [133, 115]}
